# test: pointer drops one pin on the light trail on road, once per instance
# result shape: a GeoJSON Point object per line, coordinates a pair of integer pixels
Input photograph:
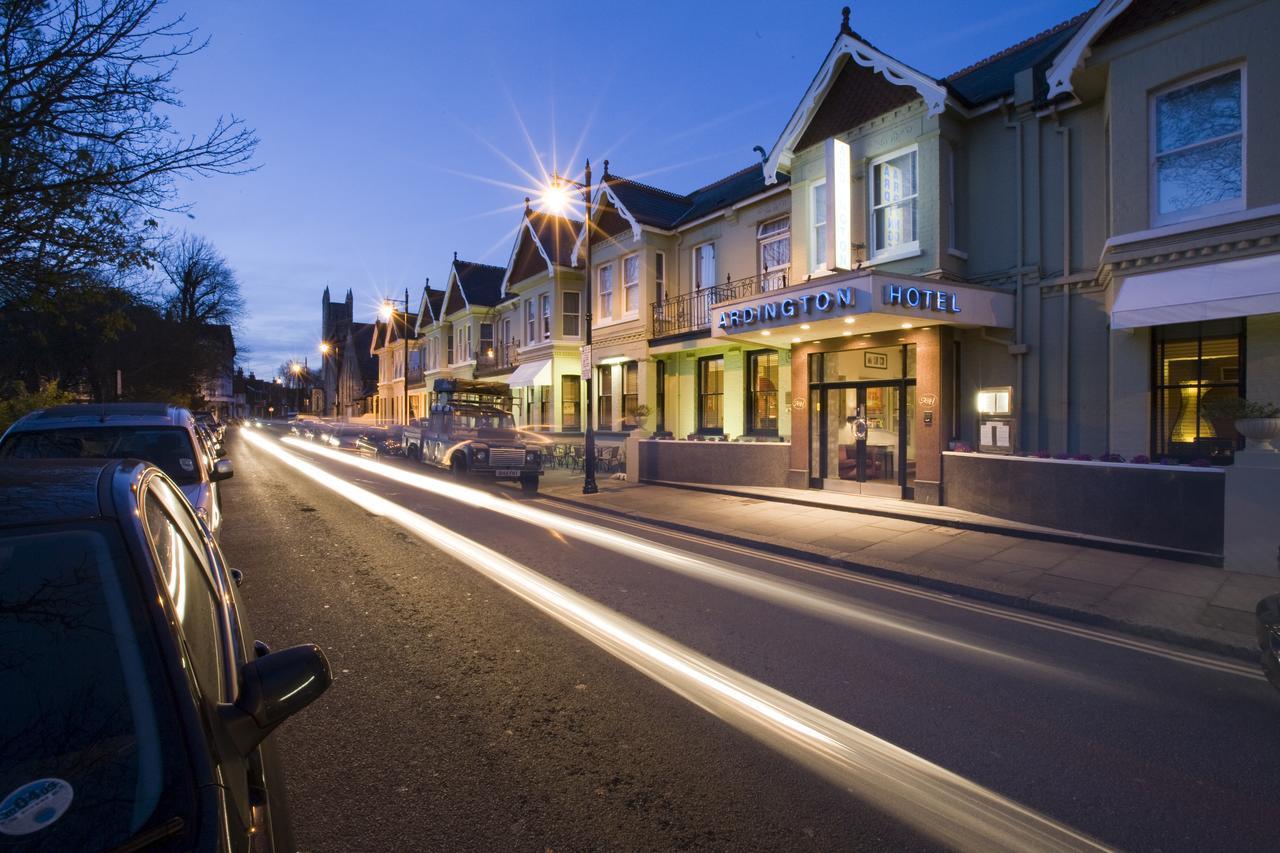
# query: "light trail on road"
{"type": "Point", "coordinates": [932, 800]}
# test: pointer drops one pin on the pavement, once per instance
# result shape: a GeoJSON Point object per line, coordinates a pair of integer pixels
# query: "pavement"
{"type": "Point", "coordinates": [1100, 582]}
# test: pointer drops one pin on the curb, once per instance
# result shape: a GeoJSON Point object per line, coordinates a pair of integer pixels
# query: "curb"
{"type": "Point", "coordinates": [886, 571]}
{"type": "Point", "coordinates": [1213, 561]}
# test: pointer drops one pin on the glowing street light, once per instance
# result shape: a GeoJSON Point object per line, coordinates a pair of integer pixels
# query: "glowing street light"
{"type": "Point", "coordinates": [555, 197]}
{"type": "Point", "coordinates": [387, 311]}
{"type": "Point", "coordinates": [325, 347]}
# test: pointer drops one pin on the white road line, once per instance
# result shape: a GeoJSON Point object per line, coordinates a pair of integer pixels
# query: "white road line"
{"type": "Point", "coordinates": [932, 800]}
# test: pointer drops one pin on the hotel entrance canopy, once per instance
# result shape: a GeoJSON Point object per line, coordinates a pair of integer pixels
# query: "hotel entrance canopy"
{"type": "Point", "coordinates": [1207, 292]}
{"type": "Point", "coordinates": [862, 302]}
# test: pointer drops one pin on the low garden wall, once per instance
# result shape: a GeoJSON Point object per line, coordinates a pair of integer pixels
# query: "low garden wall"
{"type": "Point", "coordinates": [725, 463]}
{"type": "Point", "coordinates": [1172, 506]}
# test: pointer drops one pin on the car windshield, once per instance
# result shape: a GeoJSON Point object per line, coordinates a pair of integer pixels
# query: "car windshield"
{"type": "Point", "coordinates": [483, 420]}
{"type": "Point", "coordinates": [89, 747]}
{"type": "Point", "coordinates": [169, 448]}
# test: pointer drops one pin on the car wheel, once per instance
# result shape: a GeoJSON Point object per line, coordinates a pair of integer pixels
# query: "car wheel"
{"type": "Point", "coordinates": [459, 468]}
{"type": "Point", "coordinates": [529, 484]}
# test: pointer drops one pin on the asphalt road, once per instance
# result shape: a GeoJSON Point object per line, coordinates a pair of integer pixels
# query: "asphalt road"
{"type": "Point", "coordinates": [468, 717]}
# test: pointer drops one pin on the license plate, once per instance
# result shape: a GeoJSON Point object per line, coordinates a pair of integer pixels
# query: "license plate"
{"type": "Point", "coordinates": [507, 472]}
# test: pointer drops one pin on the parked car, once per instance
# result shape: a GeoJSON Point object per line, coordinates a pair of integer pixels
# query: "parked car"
{"type": "Point", "coordinates": [158, 433]}
{"type": "Point", "coordinates": [137, 703]}
{"type": "Point", "coordinates": [471, 432]}
{"type": "Point", "coordinates": [345, 436]}
{"type": "Point", "coordinates": [378, 442]}
{"type": "Point", "coordinates": [210, 421]}
{"type": "Point", "coordinates": [1268, 616]}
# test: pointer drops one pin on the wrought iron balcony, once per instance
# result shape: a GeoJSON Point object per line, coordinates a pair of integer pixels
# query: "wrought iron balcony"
{"type": "Point", "coordinates": [501, 357]}
{"type": "Point", "coordinates": [691, 312]}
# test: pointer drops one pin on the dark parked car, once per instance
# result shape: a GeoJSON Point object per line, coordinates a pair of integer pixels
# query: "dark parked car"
{"type": "Point", "coordinates": [378, 441]}
{"type": "Point", "coordinates": [1268, 613]}
{"type": "Point", "coordinates": [137, 704]}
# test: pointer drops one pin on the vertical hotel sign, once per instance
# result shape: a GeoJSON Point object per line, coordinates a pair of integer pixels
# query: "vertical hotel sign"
{"type": "Point", "coordinates": [839, 206]}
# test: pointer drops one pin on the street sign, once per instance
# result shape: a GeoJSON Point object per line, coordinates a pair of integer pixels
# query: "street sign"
{"type": "Point", "coordinates": [586, 360]}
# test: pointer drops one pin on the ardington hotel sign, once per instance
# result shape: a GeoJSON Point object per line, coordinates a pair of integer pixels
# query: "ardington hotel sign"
{"type": "Point", "coordinates": [786, 308]}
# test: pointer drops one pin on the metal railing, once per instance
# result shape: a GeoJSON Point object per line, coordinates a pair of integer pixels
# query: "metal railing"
{"type": "Point", "coordinates": [504, 355]}
{"type": "Point", "coordinates": [692, 312]}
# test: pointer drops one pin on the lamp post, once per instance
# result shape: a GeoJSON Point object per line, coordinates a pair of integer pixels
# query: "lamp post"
{"type": "Point", "coordinates": [557, 199]}
{"type": "Point", "coordinates": [296, 370]}
{"type": "Point", "coordinates": [389, 314]}
{"type": "Point", "coordinates": [325, 349]}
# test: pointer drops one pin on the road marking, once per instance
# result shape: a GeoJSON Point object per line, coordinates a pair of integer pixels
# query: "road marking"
{"type": "Point", "coordinates": [923, 795]}
{"type": "Point", "coordinates": [762, 584]}
{"type": "Point", "coordinates": [1008, 614]}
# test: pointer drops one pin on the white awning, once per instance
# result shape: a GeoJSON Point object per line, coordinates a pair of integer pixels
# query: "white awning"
{"type": "Point", "coordinates": [1207, 292]}
{"type": "Point", "coordinates": [531, 373]}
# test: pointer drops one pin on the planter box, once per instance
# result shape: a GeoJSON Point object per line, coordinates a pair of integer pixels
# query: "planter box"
{"type": "Point", "coordinates": [1168, 506]}
{"type": "Point", "coordinates": [725, 463]}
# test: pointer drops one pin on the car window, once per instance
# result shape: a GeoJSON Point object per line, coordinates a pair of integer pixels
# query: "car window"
{"type": "Point", "coordinates": [185, 574]}
{"type": "Point", "coordinates": [91, 751]}
{"type": "Point", "coordinates": [169, 448]}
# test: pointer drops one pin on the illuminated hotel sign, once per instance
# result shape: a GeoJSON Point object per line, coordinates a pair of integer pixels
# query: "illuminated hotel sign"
{"type": "Point", "coordinates": [839, 248]}
{"type": "Point", "coordinates": [909, 296]}
{"type": "Point", "coordinates": [787, 308]}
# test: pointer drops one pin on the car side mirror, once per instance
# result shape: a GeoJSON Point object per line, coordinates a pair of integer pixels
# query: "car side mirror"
{"type": "Point", "coordinates": [273, 688]}
{"type": "Point", "coordinates": [222, 470]}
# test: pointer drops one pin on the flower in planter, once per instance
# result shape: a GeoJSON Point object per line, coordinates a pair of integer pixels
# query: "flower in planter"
{"type": "Point", "coordinates": [961, 447]}
{"type": "Point", "coordinates": [1083, 457]}
{"type": "Point", "coordinates": [1062, 456]}
{"type": "Point", "coordinates": [1116, 457]}
{"type": "Point", "coordinates": [1140, 459]}
{"type": "Point", "coordinates": [1200, 463]}
{"type": "Point", "coordinates": [1042, 454]}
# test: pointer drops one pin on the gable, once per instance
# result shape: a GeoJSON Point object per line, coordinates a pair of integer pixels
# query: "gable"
{"type": "Point", "coordinates": [856, 96]}
{"type": "Point", "coordinates": [528, 260]}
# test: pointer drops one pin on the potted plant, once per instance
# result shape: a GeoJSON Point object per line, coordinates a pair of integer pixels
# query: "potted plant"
{"type": "Point", "coordinates": [1258, 422]}
{"type": "Point", "coordinates": [640, 417]}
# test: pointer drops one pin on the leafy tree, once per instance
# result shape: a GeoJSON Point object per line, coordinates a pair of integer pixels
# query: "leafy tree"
{"type": "Point", "coordinates": [16, 400]}
{"type": "Point", "coordinates": [88, 155]}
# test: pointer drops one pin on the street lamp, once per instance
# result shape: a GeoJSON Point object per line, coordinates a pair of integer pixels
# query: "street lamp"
{"type": "Point", "coordinates": [325, 349]}
{"type": "Point", "coordinates": [388, 313]}
{"type": "Point", "coordinates": [296, 370]}
{"type": "Point", "coordinates": [557, 198]}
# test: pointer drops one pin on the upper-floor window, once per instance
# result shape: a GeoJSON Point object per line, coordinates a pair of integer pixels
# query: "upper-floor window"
{"type": "Point", "coordinates": [659, 276]}
{"type": "Point", "coordinates": [486, 339]}
{"type": "Point", "coordinates": [1197, 158]}
{"type": "Point", "coordinates": [894, 187]}
{"type": "Point", "coordinates": [604, 287]}
{"type": "Point", "coordinates": [544, 303]}
{"type": "Point", "coordinates": [571, 304]}
{"type": "Point", "coordinates": [530, 329]}
{"type": "Point", "coordinates": [449, 351]}
{"type": "Point", "coordinates": [506, 333]}
{"type": "Point", "coordinates": [470, 350]}
{"type": "Point", "coordinates": [704, 266]}
{"type": "Point", "coordinates": [775, 252]}
{"type": "Point", "coordinates": [631, 284]}
{"type": "Point", "coordinates": [818, 226]}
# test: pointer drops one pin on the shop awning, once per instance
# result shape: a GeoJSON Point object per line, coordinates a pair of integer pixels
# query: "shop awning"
{"type": "Point", "coordinates": [1190, 294]}
{"type": "Point", "coordinates": [531, 373]}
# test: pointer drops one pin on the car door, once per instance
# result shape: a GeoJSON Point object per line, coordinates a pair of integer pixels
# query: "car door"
{"type": "Point", "coordinates": [197, 595]}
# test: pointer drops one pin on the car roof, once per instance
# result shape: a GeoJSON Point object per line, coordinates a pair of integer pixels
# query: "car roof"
{"type": "Point", "coordinates": [104, 414]}
{"type": "Point", "coordinates": [42, 491]}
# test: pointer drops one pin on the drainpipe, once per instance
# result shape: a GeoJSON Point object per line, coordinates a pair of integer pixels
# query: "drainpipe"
{"type": "Point", "coordinates": [1066, 272]}
{"type": "Point", "coordinates": [1019, 347]}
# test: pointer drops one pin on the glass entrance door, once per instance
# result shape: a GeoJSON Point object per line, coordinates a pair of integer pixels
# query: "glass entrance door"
{"type": "Point", "coordinates": [866, 438]}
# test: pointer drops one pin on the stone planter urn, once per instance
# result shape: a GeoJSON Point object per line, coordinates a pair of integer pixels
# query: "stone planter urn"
{"type": "Point", "coordinates": [1259, 433]}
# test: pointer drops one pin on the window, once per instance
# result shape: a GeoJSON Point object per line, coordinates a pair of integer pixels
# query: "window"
{"type": "Point", "coordinates": [529, 328]}
{"type": "Point", "coordinates": [605, 290]}
{"type": "Point", "coordinates": [631, 285]}
{"type": "Point", "coordinates": [775, 252]}
{"type": "Point", "coordinates": [1196, 365]}
{"type": "Point", "coordinates": [572, 312]}
{"type": "Point", "coordinates": [659, 276]}
{"type": "Point", "coordinates": [604, 398]}
{"type": "Point", "coordinates": [1197, 163]}
{"type": "Point", "coordinates": [630, 392]}
{"type": "Point", "coordinates": [571, 403]}
{"type": "Point", "coordinates": [762, 392]}
{"type": "Point", "coordinates": [469, 352]}
{"type": "Point", "coordinates": [544, 302]}
{"type": "Point", "coordinates": [544, 410]}
{"type": "Point", "coordinates": [184, 575]}
{"type": "Point", "coordinates": [660, 393]}
{"type": "Point", "coordinates": [711, 394]}
{"type": "Point", "coordinates": [506, 341]}
{"type": "Point", "coordinates": [486, 340]}
{"type": "Point", "coordinates": [704, 266]}
{"type": "Point", "coordinates": [893, 203]}
{"type": "Point", "coordinates": [818, 227]}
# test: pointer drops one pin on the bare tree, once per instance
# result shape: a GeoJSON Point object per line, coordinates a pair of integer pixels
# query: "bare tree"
{"type": "Point", "coordinates": [88, 155]}
{"type": "Point", "coordinates": [200, 287]}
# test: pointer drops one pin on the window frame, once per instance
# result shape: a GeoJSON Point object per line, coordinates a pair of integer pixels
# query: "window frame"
{"type": "Point", "coordinates": [630, 288]}
{"type": "Point", "coordinates": [630, 399]}
{"type": "Point", "coordinates": [696, 254]}
{"type": "Point", "coordinates": [604, 294]}
{"type": "Point", "coordinates": [752, 391]}
{"type": "Point", "coordinates": [703, 429]}
{"type": "Point", "coordinates": [604, 391]}
{"type": "Point", "coordinates": [1153, 140]}
{"type": "Point", "coordinates": [762, 240]}
{"type": "Point", "coordinates": [817, 248]}
{"type": "Point", "coordinates": [570, 404]}
{"type": "Point", "coordinates": [576, 314]}
{"type": "Point", "coordinates": [890, 253]}
{"type": "Point", "coordinates": [659, 276]}
{"type": "Point", "coordinates": [544, 309]}
{"type": "Point", "coordinates": [1162, 335]}
{"type": "Point", "coordinates": [530, 324]}
{"type": "Point", "coordinates": [660, 394]}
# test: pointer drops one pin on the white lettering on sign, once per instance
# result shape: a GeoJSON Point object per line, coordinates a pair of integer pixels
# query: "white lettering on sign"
{"type": "Point", "coordinates": [922, 298]}
{"type": "Point", "coordinates": [823, 302]}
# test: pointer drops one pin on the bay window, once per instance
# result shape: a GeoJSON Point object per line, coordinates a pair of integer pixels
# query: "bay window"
{"type": "Point", "coordinates": [630, 392]}
{"type": "Point", "coordinates": [529, 327]}
{"type": "Point", "coordinates": [571, 305]}
{"type": "Point", "coordinates": [894, 186]}
{"type": "Point", "coordinates": [762, 392]}
{"type": "Point", "coordinates": [631, 285]}
{"type": "Point", "coordinates": [544, 302]}
{"type": "Point", "coordinates": [570, 403]}
{"type": "Point", "coordinates": [1197, 156]}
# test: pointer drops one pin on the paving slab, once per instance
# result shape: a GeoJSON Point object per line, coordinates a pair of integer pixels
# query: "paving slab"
{"type": "Point", "coordinates": [1188, 580]}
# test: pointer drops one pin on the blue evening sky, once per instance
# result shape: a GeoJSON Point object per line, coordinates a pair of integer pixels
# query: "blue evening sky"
{"type": "Point", "coordinates": [394, 133]}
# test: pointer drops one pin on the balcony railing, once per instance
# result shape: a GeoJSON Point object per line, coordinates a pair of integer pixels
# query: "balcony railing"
{"type": "Point", "coordinates": [692, 312]}
{"type": "Point", "coordinates": [415, 375]}
{"type": "Point", "coordinates": [503, 356]}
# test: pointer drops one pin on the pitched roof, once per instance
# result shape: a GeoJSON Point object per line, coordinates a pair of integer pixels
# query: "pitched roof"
{"type": "Point", "coordinates": [1141, 15]}
{"type": "Point", "coordinates": [394, 328]}
{"type": "Point", "coordinates": [992, 77]}
{"type": "Point", "coordinates": [556, 235]}
{"type": "Point", "coordinates": [481, 284]}
{"type": "Point", "coordinates": [857, 95]}
{"type": "Point", "coordinates": [667, 210]}
{"type": "Point", "coordinates": [727, 191]}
